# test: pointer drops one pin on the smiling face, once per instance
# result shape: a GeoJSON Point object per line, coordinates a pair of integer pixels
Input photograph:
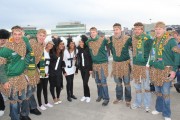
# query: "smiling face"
{"type": "Point", "coordinates": [93, 33]}
{"type": "Point", "coordinates": [72, 46]}
{"type": "Point", "coordinates": [81, 44]}
{"type": "Point", "coordinates": [41, 37]}
{"type": "Point", "coordinates": [49, 46]}
{"type": "Point", "coordinates": [159, 31]}
{"type": "Point", "coordinates": [117, 31]}
{"type": "Point", "coordinates": [138, 30]}
{"type": "Point", "coordinates": [17, 35]}
{"type": "Point", "coordinates": [61, 46]}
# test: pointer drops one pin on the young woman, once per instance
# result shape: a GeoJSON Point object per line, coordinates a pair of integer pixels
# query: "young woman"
{"type": "Point", "coordinates": [44, 63]}
{"type": "Point", "coordinates": [85, 66]}
{"type": "Point", "coordinates": [55, 71]}
{"type": "Point", "coordinates": [70, 55]}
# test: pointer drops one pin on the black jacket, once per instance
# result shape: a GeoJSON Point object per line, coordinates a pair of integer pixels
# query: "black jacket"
{"type": "Point", "coordinates": [87, 59]}
{"type": "Point", "coordinates": [61, 65]}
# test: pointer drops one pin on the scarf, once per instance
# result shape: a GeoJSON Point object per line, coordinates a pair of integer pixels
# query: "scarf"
{"type": "Point", "coordinates": [156, 52]}
{"type": "Point", "coordinates": [42, 66]}
{"type": "Point", "coordinates": [140, 47]}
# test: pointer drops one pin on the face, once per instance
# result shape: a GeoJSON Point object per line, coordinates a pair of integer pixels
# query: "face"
{"type": "Point", "coordinates": [175, 36]}
{"type": "Point", "coordinates": [3, 41]}
{"type": "Point", "coordinates": [81, 44]}
{"type": "Point", "coordinates": [117, 31]}
{"type": "Point", "coordinates": [93, 33]}
{"type": "Point", "coordinates": [49, 46]}
{"type": "Point", "coordinates": [159, 31]}
{"type": "Point", "coordinates": [41, 37]}
{"type": "Point", "coordinates": [178, 39]}
{"type": "Point", "coordinates": [17, 36]}
{"type": "Point", "coordinates": [72, 45]}
{"type": "Point", "coordinates": [138, 31]}
{"type": "Point", "coordinates": [61, 46]}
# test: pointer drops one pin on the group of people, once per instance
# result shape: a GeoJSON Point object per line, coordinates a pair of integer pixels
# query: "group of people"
{"type": "Point", "coordinates": [29, 63]}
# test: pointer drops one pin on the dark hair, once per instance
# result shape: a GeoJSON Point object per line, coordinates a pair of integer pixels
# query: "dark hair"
{"type": "Point", "coordinates": [117, 25]}
{"type": "Point", "coordinates": [4, 34]}
{"type": "Point", "coordinates": [55, 48]}
{"type": "Point", "coordinates": [93, 28]}
{"type": "Point", "coordinates": [139, 24]}
{"type": "Point", "coordinates": [69, 40]}
{"type": "Point", "coordinates": [16, 27]}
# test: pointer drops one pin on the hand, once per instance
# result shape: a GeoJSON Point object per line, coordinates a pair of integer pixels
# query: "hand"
{"type": "Point", "coordinates": [6, 86]}
{"type": "Point", "coordinates": [172, 75]}
{"type": "Point", "coordinates": [90, 72]}
{"type": "Point", "coordinates": [65, 74]}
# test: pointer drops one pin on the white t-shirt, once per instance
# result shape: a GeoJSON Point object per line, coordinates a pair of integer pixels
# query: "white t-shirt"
{"type": "Point", "coordinates": [69, 59]}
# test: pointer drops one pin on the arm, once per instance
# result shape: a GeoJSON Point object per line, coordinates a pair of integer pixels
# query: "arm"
{"type": "Point", "coordinates": [4, 54]}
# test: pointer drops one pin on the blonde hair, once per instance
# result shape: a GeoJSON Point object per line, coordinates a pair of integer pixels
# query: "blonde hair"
{"type": "Point", "coordinates": [160, 24]}
{"type": "Point", "coordinates": [42, 31]}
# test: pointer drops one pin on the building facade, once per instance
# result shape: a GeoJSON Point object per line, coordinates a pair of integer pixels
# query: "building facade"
{"type": "Point", "coordinates": [66, 29]}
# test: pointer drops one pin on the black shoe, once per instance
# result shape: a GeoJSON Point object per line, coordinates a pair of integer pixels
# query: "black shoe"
{"type": "Point", "coordinates": [98, 99]}
{"type": "Point", "coordinates": [105, 102]}
{"type": "Point", "coordinates": [73, 97]}
{"type": "Point", "coordinates": [35, 111]}
{"type": "Point", "coordinates": [25, 118]}
{"type": "Point", "coordinates": [177, 86]}
{"type": "Point", "coordinates": [69, 99]}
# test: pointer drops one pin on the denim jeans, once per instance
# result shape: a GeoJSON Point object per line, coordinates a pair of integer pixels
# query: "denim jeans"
{"type": "Point", "coordinates": [145, 84]}
{"type": "Point", "coordinates": [119, 88]}
{"type": "Point", "coordinates": [163, 99]}
{"type": "Point", "coordinates": [178, 76]}
{"type": "Point", "coordinates": [29, 103]}
{"type": "Point", "coordinates": [15, 104]}
{"type": "Point", "coordinates": [102, 87]}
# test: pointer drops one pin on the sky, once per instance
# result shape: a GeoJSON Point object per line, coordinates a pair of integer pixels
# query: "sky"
{"type": "Point", "coordinates": [99, 13]}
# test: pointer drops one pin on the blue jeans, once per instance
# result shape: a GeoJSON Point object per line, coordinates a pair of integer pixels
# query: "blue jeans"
{"type": "Point", "coordinates": [29, 103]}
{"type": "Point", "coordinates": [119, 88]}
{"type": "Point", "coordinates": [178, 76]}
{"type": "Point", "coordinates": [145, 84]}
{"type": "Point", "coordinates": [102, 87]}
{"type": "Point", "coordinates": [15, 104]}
{"type": "Point", "coordinates": [163, 99]}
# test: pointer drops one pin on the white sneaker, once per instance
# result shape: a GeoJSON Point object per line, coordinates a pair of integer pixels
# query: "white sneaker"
{"type": "Point", "coordinates": [42, 107]}
{"type": "Point", "coordinates": [49, 105]}
{"type": "Point", "coordinates": [147, 109]}
{"type": "Point", "coordinates": [83, 99]}
{"type": "Point", "coordinates": [59, 102]}
{"type": "Point", "coordinates": [166, 118]}
{"type": "Point", "coordinates": [1, 112]}
{"type": "Point", "coordinates": [56, 102]}
{"type": "Point", "coordinates": [155, 112]}
{"type": "Point", "coordinates": [135, 106]}
{"type": "Point", "coordinates": [88, 99]}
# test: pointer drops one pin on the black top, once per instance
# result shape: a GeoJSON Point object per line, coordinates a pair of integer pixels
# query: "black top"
{"type": "Point", "coordinates": [52, 65]}
{"type": "Point", "coordinates": [84, 53]}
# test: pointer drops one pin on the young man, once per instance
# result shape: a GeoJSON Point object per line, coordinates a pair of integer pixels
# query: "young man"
{"type": "Point", "coordinates": [97, 46]}
{"type": "Point", "coordinates": [141, 49]}
{"type": "Point", "coordinates": [121, 63]}
{"type": "Point", "coordinates": [37, 47]}
{"type": "Point", "coordinates": [4, 36]}
{"type": "Point", "coordinates": [14, 81]}
{"type": "Point", "coordinates": [164, 61]}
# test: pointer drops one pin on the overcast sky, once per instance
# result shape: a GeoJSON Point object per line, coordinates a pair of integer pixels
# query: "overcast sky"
{"type": "Point", "coordinates": [100, 13]}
